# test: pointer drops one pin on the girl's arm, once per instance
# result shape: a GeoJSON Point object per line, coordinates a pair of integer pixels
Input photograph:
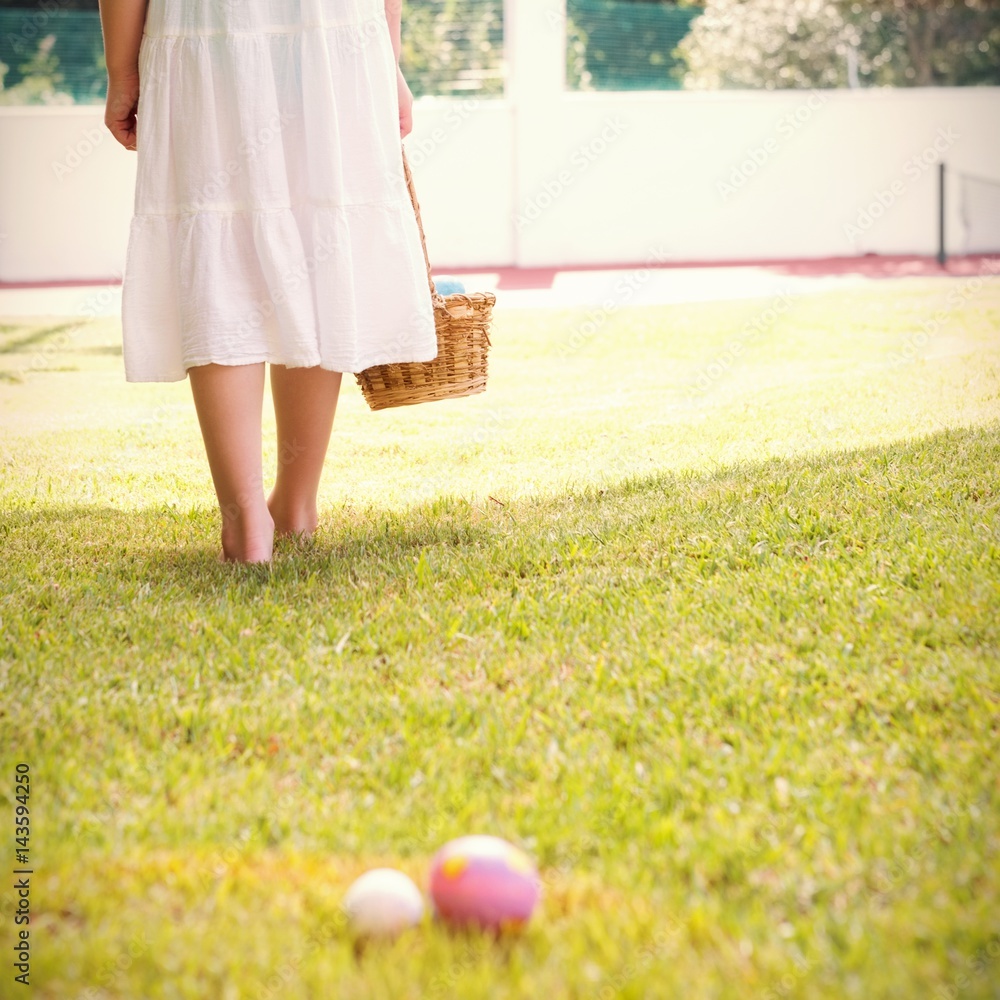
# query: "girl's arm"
{"type": "Point", "coordinates": [122, 22]}
{"type": "Point", "coordinates": [394, 15]}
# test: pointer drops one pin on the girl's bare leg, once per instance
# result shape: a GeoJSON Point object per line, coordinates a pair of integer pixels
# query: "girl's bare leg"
{"type": "Point", "coordinates": [229, 400]}
{"type": "Point", "coordinates": [305, 402]}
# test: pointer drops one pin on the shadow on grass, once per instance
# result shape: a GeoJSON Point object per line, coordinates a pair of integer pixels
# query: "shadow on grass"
{"type": "Point", "coordinates": [35, 338]}
{"type": "Point", "coordinates": [179, 549]}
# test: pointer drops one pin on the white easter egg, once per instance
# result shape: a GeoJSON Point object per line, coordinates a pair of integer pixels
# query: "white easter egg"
{"type": "Point", "coordinates": [383, 902]}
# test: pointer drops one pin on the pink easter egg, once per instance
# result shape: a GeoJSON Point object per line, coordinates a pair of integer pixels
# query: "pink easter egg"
{"type": "Point", "coordinates": [484, 881]}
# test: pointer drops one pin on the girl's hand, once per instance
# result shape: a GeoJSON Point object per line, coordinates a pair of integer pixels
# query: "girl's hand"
{"type": "Point", "coordinates": [122, 105]}
{"type": "Point", "coordinates": [405, 105]}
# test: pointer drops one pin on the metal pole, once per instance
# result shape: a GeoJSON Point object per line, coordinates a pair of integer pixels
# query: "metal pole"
{"type": "Point", "coordinates": [942, 233]}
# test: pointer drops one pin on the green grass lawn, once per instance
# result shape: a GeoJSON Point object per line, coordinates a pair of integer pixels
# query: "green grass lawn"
{"type": "Point", "coordinates": [721, 654]}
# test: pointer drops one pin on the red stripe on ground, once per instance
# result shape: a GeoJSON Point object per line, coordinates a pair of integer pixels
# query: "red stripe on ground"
{"type": "Point", "coordinates": [521, 278]}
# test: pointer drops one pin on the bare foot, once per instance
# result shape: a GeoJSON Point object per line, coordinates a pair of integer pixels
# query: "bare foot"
{"type": "Point", "coordinates": [291, 520]}
{"type": "Point", "coordinates": [248, 538]}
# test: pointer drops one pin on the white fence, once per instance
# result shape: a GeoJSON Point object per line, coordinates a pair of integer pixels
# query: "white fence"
{"type": "Point", "coordinates": [550, 178]}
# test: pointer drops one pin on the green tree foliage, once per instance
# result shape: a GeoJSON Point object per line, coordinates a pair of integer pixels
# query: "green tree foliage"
{"type": "Point", "coordinates": [39, 79]}
{"type": "Point", "coordinates": [51, 53]}
{"type": "Point", "coordinates": [774, 44]}
{"type": "Point", "coordinates": [453, 47]}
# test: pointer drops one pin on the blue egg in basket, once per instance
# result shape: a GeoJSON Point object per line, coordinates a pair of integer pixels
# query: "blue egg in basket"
{"type": "Point", "coordinates": [447, 285]}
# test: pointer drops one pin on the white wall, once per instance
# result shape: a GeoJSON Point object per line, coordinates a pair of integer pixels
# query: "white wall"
{"type": "Point", "coordinates": [747, 175]}
{"type": "Point", "coordinates": [462, 156]}
{"type": "Point", "coordinates": [547, 178]}
{"type": "Point", "coordinates": [66, 191]}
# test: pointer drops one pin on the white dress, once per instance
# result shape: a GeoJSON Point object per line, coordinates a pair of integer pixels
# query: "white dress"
{"type": "Point", "coordinates": [271, 220]}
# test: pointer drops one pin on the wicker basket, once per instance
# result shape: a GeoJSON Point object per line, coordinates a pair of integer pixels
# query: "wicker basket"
{"type": "Point", "coordinates": [463, 325]}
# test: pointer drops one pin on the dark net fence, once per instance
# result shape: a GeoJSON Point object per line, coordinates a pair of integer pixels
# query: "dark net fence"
{"type": "Point", "coordinates": [624, 44]}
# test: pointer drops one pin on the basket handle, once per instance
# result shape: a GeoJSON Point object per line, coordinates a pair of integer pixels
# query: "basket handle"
{"type": "Point", "coordinates": [420, 226]}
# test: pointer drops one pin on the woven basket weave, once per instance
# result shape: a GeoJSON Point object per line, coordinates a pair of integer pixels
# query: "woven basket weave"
{"type": "Point", "coordinates": [463, 325]}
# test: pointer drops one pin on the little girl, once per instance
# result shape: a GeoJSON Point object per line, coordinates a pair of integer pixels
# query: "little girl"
{"type": "Point", "coordinates": [271, 225]}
